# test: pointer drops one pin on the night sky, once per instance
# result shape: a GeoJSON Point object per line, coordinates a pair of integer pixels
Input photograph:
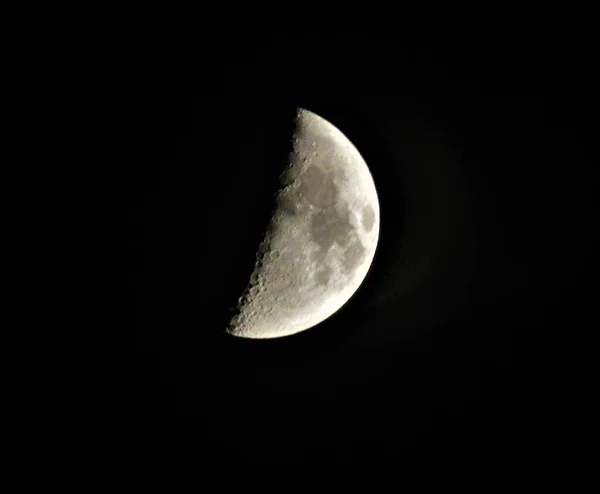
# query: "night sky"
{"type": "Point", "coordinates": [480, 154]}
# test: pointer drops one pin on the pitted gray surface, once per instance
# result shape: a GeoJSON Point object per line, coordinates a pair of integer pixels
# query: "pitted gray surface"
{"type": "Point", "coordinates": [321, 239]}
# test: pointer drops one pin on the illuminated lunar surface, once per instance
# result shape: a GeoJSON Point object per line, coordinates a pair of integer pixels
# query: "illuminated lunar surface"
{"type": "Point", "coordinates": [320, 241]}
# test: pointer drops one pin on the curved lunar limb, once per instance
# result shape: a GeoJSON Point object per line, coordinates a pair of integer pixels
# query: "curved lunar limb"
{"type": "Point", "coordinates": [321, 239]}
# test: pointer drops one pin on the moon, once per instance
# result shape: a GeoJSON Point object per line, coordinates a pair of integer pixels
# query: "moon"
{"type": "Point", "coordinates": [321, 239]}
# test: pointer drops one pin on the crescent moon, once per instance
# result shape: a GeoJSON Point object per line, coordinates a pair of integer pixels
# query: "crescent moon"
{"type": "Point", "coordinates": [321, 239]}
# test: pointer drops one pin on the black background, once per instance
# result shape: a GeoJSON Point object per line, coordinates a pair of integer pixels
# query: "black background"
{"type": "Point", "coordinates": [481, 155]}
